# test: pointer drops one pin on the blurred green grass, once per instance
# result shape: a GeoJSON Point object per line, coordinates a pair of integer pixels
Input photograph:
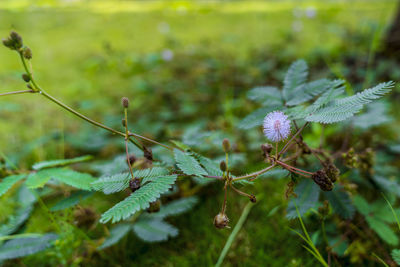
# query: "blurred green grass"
{"type": "Point", "coordinates": [70, 39]}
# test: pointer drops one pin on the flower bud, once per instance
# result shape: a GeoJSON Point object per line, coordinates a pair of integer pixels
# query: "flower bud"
{"type": "Point", "coordinates": [17, 39]}
{"type": "Point", "coordinates": [221, 221]}
{"type": "Point", "coordinates": [266, 149]}
{"type": "Point", "coordinates": [27, 53]}
{"type": "Point", "coordinates": [226, 145]}
{"type": "Point", "coordinates": [222, 166]}
{"type": "Point", "coordinates": [253, 198]}
{"type": "Point", "coordinates": [155, 206]}
{"type": "Point", "coordinates": [125, 102]}
{"type": "Point", "coordinates": [8, 43]}
{"type": "Point", "coordinates": [322, 180]}
{"type": "Point", "coordinates": [134, 184]}
{"type": "Point", "coordinates": [26, 78]}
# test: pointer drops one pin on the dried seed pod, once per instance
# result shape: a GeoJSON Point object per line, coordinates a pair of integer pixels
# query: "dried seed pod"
{"type": "Point", "coordinates": [125, 102]}
{"type": "Point", "coordinates": [331, 171]}
{"type": "Point", "coordinates": [226, 145]}
{"type": "Point", "coordinates": [222, 166]}
{"type": "Point", "coordinates": [322, 180]}
{"type": "Point", "coordinates": [155, 206]}
{"type": "Point", "coordinates": [221, 221]}
{"type": "Point", "coordinates": [134, 184]}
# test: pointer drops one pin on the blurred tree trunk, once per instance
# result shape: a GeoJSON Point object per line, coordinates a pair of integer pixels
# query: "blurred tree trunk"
{"type": "Point", "coordinates": [392, 41]}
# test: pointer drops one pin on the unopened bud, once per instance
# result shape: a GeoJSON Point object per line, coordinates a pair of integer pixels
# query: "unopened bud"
{"type": "Point", "coordinates": [17, 39]}
{"type": "Point", "coordinates": [226, 145]}
{"type": "Point", "coordinates": [253, 198]}
{"type": "Point", "coordinates": [266, 149]}
{"type": "Point", "coordinates": [221, 221]}
{"type": "Point", "coordinates": [26, 77]}
{"type": "Point", "coordinates": [332, 171]}
{"type": "Point", "coordinates": [134, 184]}
{"type": "Point", "coordinates": [8, 43]}
{"type": "Point", "coordinates": [222, 166]}
{"type": "Point", "coordinates": [125, 102]}
{"type": "Point", "coordinates": [27, 53]}
{"type": "Point", "coordinates": [154, 206]}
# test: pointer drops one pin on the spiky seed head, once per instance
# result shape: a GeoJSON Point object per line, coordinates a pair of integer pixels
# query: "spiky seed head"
{"type": "Point", "coordinates": [125, 102]}
{"type": "Point", "coordinates": [322, 180]}
{"type": "Point", "coordinates": [253, 198]}
{"type": "Point", "coordinates": [222, 166]}
{"type": "Point", "coordinates": [27, 53]}
{"type": "Point", "coordinates": [276, 126]}
{"type": "Point", "coordinates": [221, 220]}
{"type": "Point", "coordinates": [226, 145]}
{"type": "Point", "coordinates": [26, 78]}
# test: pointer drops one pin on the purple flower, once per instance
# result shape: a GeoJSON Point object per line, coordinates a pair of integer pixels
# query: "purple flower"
{"type": "Point", "coordinates": [276, 126]}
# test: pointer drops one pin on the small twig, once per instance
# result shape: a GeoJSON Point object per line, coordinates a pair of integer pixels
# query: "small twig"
{"type": "Point", "coordinates": [286, 147]}
{"type": "Point", "coordinates": [18, 92]}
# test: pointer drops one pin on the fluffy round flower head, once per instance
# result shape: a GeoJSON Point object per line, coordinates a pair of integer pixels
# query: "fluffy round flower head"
{"type": "Point", "coordinates": [276, 126]}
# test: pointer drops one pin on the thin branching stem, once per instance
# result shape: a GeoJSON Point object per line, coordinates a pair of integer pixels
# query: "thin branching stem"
{"type": "Point", "coordinates": [126, 141]}
{"type": "Point", "coordinates": [17, 92]}
{"type": "Point", "coordinates": [286, 147]}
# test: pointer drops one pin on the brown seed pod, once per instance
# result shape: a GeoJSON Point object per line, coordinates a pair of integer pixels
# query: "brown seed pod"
{"type": "Point", "coordinates": [322, 180]}
{"type": "Point", "coordinates": [222, 166]}
{"type": "Point", "coordinates": [221, 221]}
{"type": "Point", "coordinates": [226, 145]}
{"type": "Point", "coordinates": [25, 77]}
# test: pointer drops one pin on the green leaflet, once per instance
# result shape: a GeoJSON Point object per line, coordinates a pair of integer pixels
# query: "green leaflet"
{"type": "Point", "coordinates": [266, 95]}
{"type": "Point", "coordinates": [340, 202]}
{"type": "Point", "coordinates": [116, 234]}
{"type": "Point", "coordinates": [67, 176]}
{"type": "Point", "coordinates": [308, 194]}
{"type": "Point", "coordinates": [60, 162]}
{"type": "Point", "coordinates": [138, 200]}
{"type": "Point", "coordinates": [21, 247]}
{"type": "Point", "coordinates": [9, 181]}
{"type": "Point", "coordinates": [396, 255]}
{"type": "Point", "coordinates": [295, 77]}
{"type": "Point", "coordinates": [71, 201]}
{"type": "Point", "coordinates": [113, 183]}
{"type": "Point", "coordinates": [188, 164]}
{"type": "Point", "coordinates": [154, 230]}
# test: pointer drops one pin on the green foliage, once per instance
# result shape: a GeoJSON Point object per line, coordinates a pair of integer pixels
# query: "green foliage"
{"type": "Point", "coordinates": [21, 247]}
{"type": "Point", "coordinates": [154, 230]}
{"type": "Point", "coordinates": [60, 162]}
{"type": "Point", "coordinates": [138, 200]}
{"type": "Point", "coordinates": [188, 164]}
{"type": "Point", "coordinates": [9, 181]}
{"type": "Point", "coordinates": [116, 234]}
{"type": "Point", "coordinates": [378, 215]}
{"type": "Point", "coordinates": [113, 183]}
{"type": "Point", "coordinates": [295, 78]}
{"type": "Point", "coordinates": [308, 194]}
{"type": "Point", "coordinates": [341, 202]}
{"type": "Point", "coordinates": [396, 255]}
{"type": "Point", "coordinates": [71, 201]}
{"type": "Point", "coordinates": [175, 208]}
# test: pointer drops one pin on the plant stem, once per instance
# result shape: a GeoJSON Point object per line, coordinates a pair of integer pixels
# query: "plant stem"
{"type": "Point", "coordinates": [286, 147]}
{"type": "Point", "coordinates": [254, 173]}
{"type": "Point", "coordinates": [126, 142]}
{"type": "Point", "coordinates": [18, 92]}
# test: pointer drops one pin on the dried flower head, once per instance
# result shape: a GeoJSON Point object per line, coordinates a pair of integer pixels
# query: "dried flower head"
{"type": "Point", "coordinates": [125, 102]}
{"type": "Point", "coordinates": [276, 126]}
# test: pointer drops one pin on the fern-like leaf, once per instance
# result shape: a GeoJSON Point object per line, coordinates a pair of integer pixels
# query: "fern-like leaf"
{"type": "Point", "coordinates": [265, 95]}
{"type": "Point", "coordinates": [116, 234]}
{"type": "Point", "coordinates": [154, 230]}
{"type": "Point", "coordinates": [188, 164]}
{"type": "Point", "coordinates": [71, 201]}
{"type": "Point", "coordinates": [295, 77]}
{"type": "Point", "coordinates": [396, 255]}
{"type": "Point", "coordinates": [341, 202]}
{"type": "Point", "coordinates": [308, 91]}
{"type": "Point", "coordinates": [138, 200]}
{"type": "Point", "coordinates": [21, 247]}
{"type": "Point", "coordinates": [60, 162]}
{"type": "Point", "coordinates": [112, 184]}
{"type": "Point", "coordinates": [9, 181]}
{"type": "Point", "coordinates": [308, 194]}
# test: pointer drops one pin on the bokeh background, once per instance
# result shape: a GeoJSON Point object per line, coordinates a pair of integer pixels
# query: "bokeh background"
{"type": "Point", "coordinates": [186, 66]}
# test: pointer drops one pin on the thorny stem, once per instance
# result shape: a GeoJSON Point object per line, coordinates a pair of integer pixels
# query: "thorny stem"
{"type": "Point", "coordinates": [126, 142]}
